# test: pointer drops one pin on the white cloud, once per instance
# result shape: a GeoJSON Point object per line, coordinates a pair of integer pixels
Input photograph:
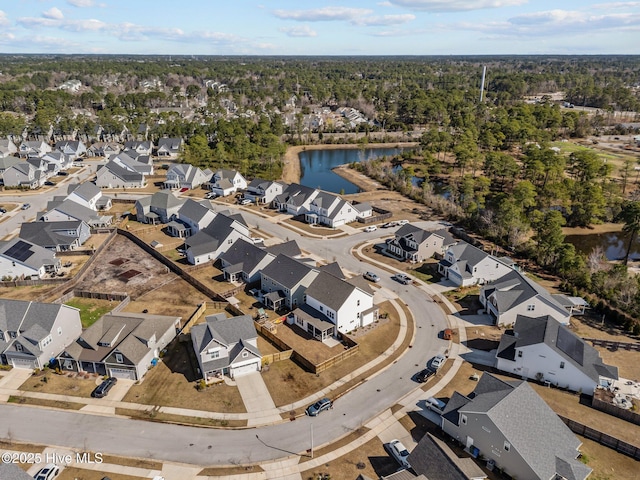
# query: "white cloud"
{"type": "Point", "coordinates": [455, 5]}
{"type": "Point", "coordinates": [81, 3]}
{"type": "Point", "coordinates": [612, 5]}
{"type": "Point", "coordinates": [325, 14]}
{"type": "Point", "coordinates": [3, 19]}
{"type": "Point", "coordinates": [302, 31]}
{"type": "Point", "coordinates": [384, 20]}
{"type": "Point", "coordinates": [384, 4]}
{"type": "Point", "coordinates": [53, 13]}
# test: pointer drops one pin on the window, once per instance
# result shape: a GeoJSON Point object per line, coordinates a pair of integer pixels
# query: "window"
{"type": "Point", "coordinates": [59, 330]}
{"type": "Point", "coordinates": [230, 241]}
{"type": "Point", "coordinates": [321, 308]}
{"type": "Point", "coordinates": [299, 321]}
{"type": "Point", "coordinates": [358, 303]}
{"type": "Point", "coordinates": [561, 364]}
{"type": "Point", "coordinates": [463, 419]}
{"type": "Point", "coordinates": [531, 308]}
{"type": "Point", "coordinates": [18, 347]}
{"type": "Point", "coordinates": [507, 446]}
{"type": "Point", "coordinates": [519, 353]}
{"type": "Point", "coordinates": [119, 358]}
{"type": "Point", "coordinates": [245, 354]}
{"type": "Point", "coordinates": [497, 266]}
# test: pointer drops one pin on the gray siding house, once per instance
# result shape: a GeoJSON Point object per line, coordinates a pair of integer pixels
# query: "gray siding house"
{"type": "Point", "coordinates": [56, 236]}
{"type": "Point", "coordinates": [286, 279]}
{"type": "Point", "coordinates": [32, 333]}
{"type": "Point", "coordinates": [415, 245]}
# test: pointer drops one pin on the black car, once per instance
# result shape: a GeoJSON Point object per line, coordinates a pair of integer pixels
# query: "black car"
{"type": "Point", "coordinates": [102, 389]}
{"type": "Point", "coordinates": [49, 183]}
{"type": "Point", "coordinates": [424, 375]}
{"type": "Point", "coordinates": [318, 407]}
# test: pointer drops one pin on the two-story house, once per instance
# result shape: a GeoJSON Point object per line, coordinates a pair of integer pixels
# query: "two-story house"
{"type": "Point", "coordinates": [104, 149]}
{"type": "Point", "coordinates": [144, 147]}
{"type": "Point", "coordinates": [466, 265]}
{"type": "Point", "coordinates": [7, 148]}
{"type": "Point", "coordinates": [508, 423]}
{"type": "Point", "coordinates": [285, 280]}
{"type": "Point", "coordinates": [543, 349]}
{"type": "Point", "coordinates": [124, 171]}
{"type": "Point", "coordinates": [333, 306]}
{"type": "Point", "coordinates": [225, 182]}
{"type": "Point", "coordinates": [190, 218]}
{"type": "Point", "coordinates": [157, 208]}
{"type": "Point", "coordinates": [515, 294]}
{"type": "Point", "coordinates": [88, 195]}
{"type": "Point", "coordinates": [33, 333]}
{"type": "Point", "coordinates": [33, 148]}
{"type": "Point", "coordinates": [295, 200]}
{"type": "Point", "coordinates": [331, 210]}
{"type": "Point", "coordinates": [23, 259]}
{"type": "Point", "coordinates": [64, 210]}
{"type": "Point", "coordinates": [244, 261]}
{"type": "Point", "coordinates": [415, 244]}
{"type": "Point", "coordinates": [226, 346]}
{"type": "Point", "coordinates": [74, 149]}
{"type": "Point", "coordinates": [57, 161]}
{"type": "Point", "coordinates": [6, 162]}
{"type": "Point", "coordinates": [183, 175]}
{"type": "Point", "coordinates": [56, 236]}
{"type": "Point", "coordinates": [23, 174]}
{"type": "Point", "coordinates": [120, 345]}
{"type": "Point", "coordinates": [216, 238]}
{"type": "Point", "coordinates": [264, 191]}
{"type": "Point", "coordinates": [169, 147]}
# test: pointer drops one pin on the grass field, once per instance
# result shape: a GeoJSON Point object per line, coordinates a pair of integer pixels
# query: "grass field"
{"type": "Point", "coordinates": [91, 309]}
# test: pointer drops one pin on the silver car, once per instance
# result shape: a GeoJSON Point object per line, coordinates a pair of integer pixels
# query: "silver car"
{"type": "Point", "coordinates": [399, 452]}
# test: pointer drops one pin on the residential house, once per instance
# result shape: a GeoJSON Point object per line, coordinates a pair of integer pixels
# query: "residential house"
{"type": "Point", "coordinates": [183, 175]}
{"type": "Point", "coordinates": [103, 149]}
{"type": "Point", "coordinates": [225, 182]}
{"type": "Point", "coordinates": [264, 191]}
{"type": "Point", "coordinates": [290, 249]}
{"type": "Point", "coordinates": [88, 195]}
{"type": "Point", "coordinates": [6, 162]}
{"type": "Point", "coordinates": [140, 147]}
{"type": "Point", "coordinates": [46, 168]}
{"type": "Point", "coordinates": [515, 294]}
{"type": "Point", "coordinates": [73, 149]}
{"type": "Point", "coordinates": [285, 280]}
{"type": "Point", "coordinates": [508, 423]}
{"type": "Point", "coordinates": [295, 199]}
{"type": "Point", "coordinates": [7, 148]}
{"type": "Point", "coordinates": [331, 210]}
{"type": "Point", "coordinates": [243, 261]}
{"type": "Point", "coordinates": [22, 259]}
{"type": "Point", "coordinates": [415, 244]}
{"type": "Point", "coordinates": [433, 459]}
{"type": "Point", "coordinates": [543, 349]}
{"type": "Point", "coordinates": [190, 218]}
{"type": "Point", "coordinates": [33, 333]}
{"type": "Point", "coordinates": [33, 148]}
{"type": "Point", "coordinates": [169, 147]}
{"type": "Point", "coordinates": [64, 210]}
{"type": "Point", "coordinates": [120, 345]}
{"type": "Point", "coordinates": [157, 208]}
{"type": "Point", "coordinates": [57, 161]}
{"type": "Point", "coordinates": [466, 265]}
{"type": "Point", "coordinates": [364, 209]}
{"type": "Point", "coordinates": [333, 306]}
{"type": "Point", "coordinates": [216, 238]}
{"type": "Point", "coordinates": [226, 346]}
{"type": "Point", "coordinates": [23, 174]}
{"type": "Point", "coordinates": [56, 236]}
{"type": "Point", "coordinates": [122, 171]}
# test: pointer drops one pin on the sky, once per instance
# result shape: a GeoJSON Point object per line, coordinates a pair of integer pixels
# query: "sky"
{"type": "Point", "coordinates": [302, 27]}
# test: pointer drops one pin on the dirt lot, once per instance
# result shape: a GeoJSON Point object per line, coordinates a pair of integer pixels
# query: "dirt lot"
{"type": "Point", "coordinates": [69, 384]}
{"type": "Point", "coordinates": [172, 383]}
{"type": "Point", "coordinates": [303, 343]}
{"type": "Point", "coordinates": [287, 382]}
{"type": "Point", "coordinates": [484, 337]}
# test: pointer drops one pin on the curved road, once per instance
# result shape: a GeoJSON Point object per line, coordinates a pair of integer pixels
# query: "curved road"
{"type": "Point", "coordinates": [201, 446]}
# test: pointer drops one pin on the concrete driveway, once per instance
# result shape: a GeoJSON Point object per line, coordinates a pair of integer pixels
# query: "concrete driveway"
{"type": "Point", "coordinates": [256, 396]}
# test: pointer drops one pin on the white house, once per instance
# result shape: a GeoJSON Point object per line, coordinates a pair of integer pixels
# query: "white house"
{"type": "Point", "coordinates": [467, 265]}
{"type": "Point", "coordinates": [515, 294]}
{"type": "Point", "coordinates": [180, 175]}
{"type": "Point", "coordinates": [285, 280]}
{"type": "Point", "coordinates": [169, 147]}
{"type": "Point", "coordinates": [543, 349]}
{"type": "Point", "coordinates": [331, 210]}
{"type": "Point", "coordinates": [61, 160]}
{"type": "Point", "coordinates": [88, 195]}
{"type": "Point", "coordinates": [61, 211]}
{"type": "Point", "coordinates": [264, 191]}
{"type": "Point", "coordinates": [226, 346]}
{"type": "Point", "coordinates": [22, 259]}
{"type": "Point", "coordinates": [190, 218]}
{"type": "Point", "coordinates": [74, 149]}
{"type": "Point", "coordinates": [157, 208]}
{"type": "Point", "coordinates": [122, 171]}
{"type": "Point", "coordinates": [23, 174]}
{"type": "Point", "coordinates": [225, 182]}
{"type": "Point", "coordinates": [139, 147]}
{"type": "Point", "coordinates": [216, 238]}
{"type": "Point", "coordinates": [36, 147]}
{"type": "Point", "coordinates": [7, 148]}
{"type": "Point", "coordinates": [295, 200]}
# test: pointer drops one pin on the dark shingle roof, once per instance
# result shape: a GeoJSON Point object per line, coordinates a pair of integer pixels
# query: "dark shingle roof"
{"type": "Point", "coordinates": [290, 249]}
{"type": "Point", "coordinates": [330, 290]}
{"type": "Point", "coordinates": [9, 471]}
{"type": "Point", "coordinates": [287, 271]}
{"type": "Point", "coordinates": [50, 234]}
{"type": "Point", "coordinates": [334, 269]}
{"type": "Point", "coordinates": [436, 461]}
{"type": "Point", "coordinates": [245, 253]}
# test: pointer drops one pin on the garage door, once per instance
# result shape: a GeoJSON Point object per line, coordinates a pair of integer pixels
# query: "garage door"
{"type": "Point", "coordinates": [122, 373]}
{"type": "Point", "coordinates": [23, 363]}
{"type": "Point", "coordinates": [236, 372]}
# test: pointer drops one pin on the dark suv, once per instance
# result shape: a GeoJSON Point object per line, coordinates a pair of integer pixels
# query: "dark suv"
{"type": "Point", "coordinates": [318, 407]}
{"type": "Point", "coordinates": [102, 389]}
{"type": "Point", "coordinates": [425, 374]}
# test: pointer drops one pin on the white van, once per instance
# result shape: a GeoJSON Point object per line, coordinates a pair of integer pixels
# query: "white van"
{"type": "Point", "coordinates": [435, 404]}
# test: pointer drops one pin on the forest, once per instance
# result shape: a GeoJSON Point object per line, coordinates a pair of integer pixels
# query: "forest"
{"type": "Point", "coordinates": [499, 161]}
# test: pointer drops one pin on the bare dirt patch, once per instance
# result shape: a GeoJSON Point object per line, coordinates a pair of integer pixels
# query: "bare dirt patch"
{"type": "Point", "coordinates": [25, 293]}
{"type": "Point", "coordinates": [66, 384]}
{"type": "Point", "coordinates": [483, 337]}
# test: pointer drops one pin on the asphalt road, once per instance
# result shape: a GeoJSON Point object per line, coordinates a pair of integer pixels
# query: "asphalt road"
{"type": "Point", "coordinates": [210, 446]}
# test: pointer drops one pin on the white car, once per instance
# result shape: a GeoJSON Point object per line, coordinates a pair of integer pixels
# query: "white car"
{"type": "Point", "coordinates": [246, 201]}
{"type": "Point", "coordinates": [371, 228]}
{"type": "Point", "coordinates": [372, 277]}
{"type": "Point", "coordinates": [402, 222]}
{"type": "Point", "coordinates": [438, 361]}
{"type": "Point", "coordinates": [211, 195]}
{"type": "Point", "coordinates": [257, 240]}
{"type": "Point", "coordinates": [399, 452]}
{"type": "Point", "coordinates": [48, 472]}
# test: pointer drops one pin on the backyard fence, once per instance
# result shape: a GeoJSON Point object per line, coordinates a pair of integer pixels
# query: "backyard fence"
{"type": "Point", "coordinates": [612, 344]}
{"type": "Point", "coordinates": [31, 283]}
{"type": "Point", "coordinates": [276, 357]}
{"type": "Point", "coordinates": [122, 297]}
{"type": "Point", "coordinates": [195, 316]}
{"type": "Point", "coordinates": [608, 407]}
{"type": "Point", "coordinates": [380, 215]}
{"type": "Point", "coordinates": [602, 438]}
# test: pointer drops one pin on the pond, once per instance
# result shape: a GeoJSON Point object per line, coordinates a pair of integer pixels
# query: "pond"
{"type": "Point", "coordinates": [614, 244]}
{"type": "Point", "coordinates": [316, 166]}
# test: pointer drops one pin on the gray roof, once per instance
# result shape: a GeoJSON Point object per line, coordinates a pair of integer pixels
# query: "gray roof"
{"type": "Point", "coordinates": [171, 144]}
{"type": "Point", "coordinates": [227, 331]}
{"type": "Point", "coordinates": [515, 288]}
{"type": "Point", "coordinates": [21, 315]}
{"type": "Point", "coordinates": [362, 207]}
{"type": "Point", "coordinates": [330, 290]}
{"type": "Point", "coordinates": [334, 269]}
{"type": "Point", "coordinates": [73, 210]}
{"type": "Point", "coordinates": [225, 173]}
{"type": "Point", "coordinates": [295, 194]}
{"type": "Point", "coordinates": [464, 251]}
{"type": "Point", "coordinates": [547, 330]}
{"type": "Point", "coordinates": [245, 254]}
{"type": "Point", "coordinates": [6, 162]}
{"type": "Point", "coordinates": [50, 234]}
{"type": "Point", "coordinates": [287, 271]}
{"type": "Point", "coordinates": [362, 283]}
{"type": "Point", "coordinates": [9, 471]}
{"type": "Point", "coordinates": [193, 210]}
{"type": "Point", "coordinates": [121, 172]}
{"type": "Point", "coordinates": [290, 249]}
{"type": "Point", "coordinates": [31, 255]}
{"type": "Point", "coordinates": [209, 238]}
{"type": "Point", "coordinates": [435, 460]}
{"type": "Point", "coordinates": [86, 190]}
{"type": "Point", "coordinates": [526, 422]}
{"type": "Point", "coordinates": [163, 200]}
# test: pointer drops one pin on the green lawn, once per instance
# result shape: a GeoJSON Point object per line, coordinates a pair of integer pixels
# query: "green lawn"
{"type": "Point", "coordinates": [90, 309]}
{"type": "Point", "coordinates": [427, 272]}
{"type": "Point", "coordinates": [570, 147]}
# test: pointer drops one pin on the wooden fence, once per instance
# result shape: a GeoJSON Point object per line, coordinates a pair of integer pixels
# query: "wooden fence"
{"type": "Point", "coordinates": [602, 438]}
{"type": "Point", "coordinates": [276, 357]}
{"type": "Point", "coordinates": [333, 361]}
{"type": "Point", "coordinates": [379, 215]}
{"type": "Point", "coordinates": [611, 409]}
{"type": "Point", "coordinates": [123, 200]}
{"type": "Point", "coordinates": [596, 342]}
{"type": "Point", "coordinates": [195, 316]}
{"type": "Point", "coordinates": [123, 297]}
{"type": "Point", "coordinates": [31, 283]}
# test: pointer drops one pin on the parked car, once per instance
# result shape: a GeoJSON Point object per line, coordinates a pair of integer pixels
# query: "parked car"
{"type": "Point", "coordinates": [372, 277]}
{"type": "Point", "coordinates": [25, 206]}
{"type": "Point", "coordinates": [435, 404]}
{"type": "Point", "coordinates": [49, 183]}
{"type": "Point", "coordinates": [319, 407]}
{"type": "Point", "coordinates": [211, 195]}
{"type": "Point", "coordinates": [63, 174]}
{"type": "Point", "coordinates": [402, 222]}
{"type": "Point", "coordinates": [399, 452]}
{"type": "Point", "coordinates": [246, 201]}
{"type": "Point", "coordinates": [424, 375]}
{"type": "Point", "coordinates": [438, 361]}
{"type": "Point", "coordinates": [3, 210]}
{"type": "Point", "coordinates": [184, 189]}
{"type": "Point", "coordinates": [103, 389]}
{"type": "Point", "coordinates": [257, 240]}
{"type": "Point", "coordinates": [48, 472]}
{"type": "Point", "coordinates": [402, 278]}
{"type": "Point", "coordinates": [389, 225]}
{"type": "Point", "coordinates": [371, 228]}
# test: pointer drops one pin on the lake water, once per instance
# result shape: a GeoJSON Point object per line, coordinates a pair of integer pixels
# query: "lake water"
{"type": "Point", "coordinates": [614, 244]}
{"type": "Point", "coordinates": [316, 166]}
